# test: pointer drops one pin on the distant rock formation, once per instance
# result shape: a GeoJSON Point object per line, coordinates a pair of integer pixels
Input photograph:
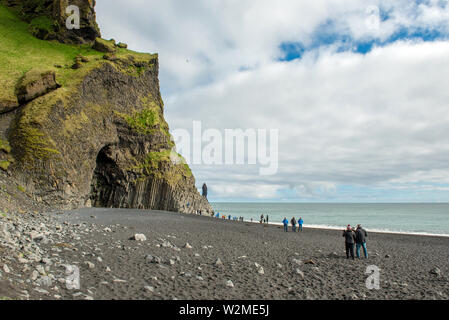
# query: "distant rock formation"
{"type": "Point", "coordinates": [204, 190]}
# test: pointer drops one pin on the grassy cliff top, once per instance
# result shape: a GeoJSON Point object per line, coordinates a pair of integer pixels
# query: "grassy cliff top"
{"type": "Point", "coordinates": [21, 52]}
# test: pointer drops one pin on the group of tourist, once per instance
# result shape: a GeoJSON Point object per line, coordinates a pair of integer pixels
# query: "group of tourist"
{"type": "Point", "coordinates": [355, 236]}
{"type": "Point", "coordinates": [263, 219]}
{"type": "Point", "coordinates": [293, 222]}
{"type": "Point", "coordinates": [229, 217]}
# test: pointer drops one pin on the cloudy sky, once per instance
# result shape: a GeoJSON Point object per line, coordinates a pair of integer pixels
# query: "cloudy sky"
{"type": "Point", "coordinates": [357, 89]}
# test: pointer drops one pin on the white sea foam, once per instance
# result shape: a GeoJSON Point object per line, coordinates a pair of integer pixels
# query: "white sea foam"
{"type": "Point", "coordinates": [329, 227]}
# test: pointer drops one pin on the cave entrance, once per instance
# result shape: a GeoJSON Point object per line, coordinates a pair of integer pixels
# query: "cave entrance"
{"type": "Point", "coordinates": [105, 179]}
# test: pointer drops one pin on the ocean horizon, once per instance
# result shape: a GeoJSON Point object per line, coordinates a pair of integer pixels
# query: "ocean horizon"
{"type": "Point", "coordinates": [408, 218]}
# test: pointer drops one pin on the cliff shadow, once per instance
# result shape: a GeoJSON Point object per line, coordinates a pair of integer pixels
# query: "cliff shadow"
{"type": "Point", "coordinates": [106, 188]}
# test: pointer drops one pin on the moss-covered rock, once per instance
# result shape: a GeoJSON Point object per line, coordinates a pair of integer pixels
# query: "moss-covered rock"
{"type": "Point", "coordinates": [35, 83]}
{"type": "Point", "coordinates": [104, 45]}
{"type": "Point", "coordinates": [43, 28]}
{"type": "Point", "coordinates": [5, 158]}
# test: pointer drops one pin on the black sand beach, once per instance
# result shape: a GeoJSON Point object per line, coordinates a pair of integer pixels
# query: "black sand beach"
{"type": "Point", "coordinates": [179, 261]}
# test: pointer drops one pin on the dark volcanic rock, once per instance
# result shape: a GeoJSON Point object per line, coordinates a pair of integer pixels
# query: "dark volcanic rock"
{"type": "Point", "coordinates": [96, 146]}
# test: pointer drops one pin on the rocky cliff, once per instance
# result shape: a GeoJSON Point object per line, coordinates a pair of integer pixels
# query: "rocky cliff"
{"type": "Point", "coordinates": [80, 127]}
{"type": "Point", "coordinates": [47, 19]}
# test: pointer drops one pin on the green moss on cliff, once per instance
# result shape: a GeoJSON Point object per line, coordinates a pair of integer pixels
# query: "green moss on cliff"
{"type": "Point", "coordinates": [144, 121]}
{"type": "Point", "coordinates": [42, 27]}
{"type": "Point", "coordinates": [165, 165]}
{"type": "Point", "coordinates": [4, 164]}
{"type": "Point", "coordinates": [149, 121]}
{"type": "Point", "coordinates": [22, 52]}
{"type": "Point", "coordinates": [4, 146]}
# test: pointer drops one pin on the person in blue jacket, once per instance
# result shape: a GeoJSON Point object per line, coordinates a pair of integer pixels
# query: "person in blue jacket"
{"type": "Point", "coordinates": [285, 222]}
{"type": "Point", "coordinates": [300, 222]}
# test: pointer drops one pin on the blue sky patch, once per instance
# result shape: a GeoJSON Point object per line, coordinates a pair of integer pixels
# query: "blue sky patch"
{"type": "Point", "coordinates": [325, 36]}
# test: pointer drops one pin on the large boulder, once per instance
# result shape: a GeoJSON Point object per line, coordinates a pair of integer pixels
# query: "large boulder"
{"type": "Point", "coordinates": [35, 83]}
{"type": "Point", "coordinates": [104, 45]}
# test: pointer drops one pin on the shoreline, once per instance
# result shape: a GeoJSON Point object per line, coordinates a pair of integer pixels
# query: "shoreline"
{"type": "Point", "coordinates": [324, 227]}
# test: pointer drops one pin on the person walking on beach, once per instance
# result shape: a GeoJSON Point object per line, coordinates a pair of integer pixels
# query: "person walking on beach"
{"type": "Point", "coordinates": [285, 222]}
{"type": "Point", "coordinates": [300, 223]}
{"type": "Point", "coordinates": [349, 236]}
{"type": "Point", "coordinates": [293, 221]}
{"type": "Point", "coordinates": [360, 241]}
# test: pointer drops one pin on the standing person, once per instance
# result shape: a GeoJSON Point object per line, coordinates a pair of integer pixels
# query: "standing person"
{"type": "Point", "coordinates": [349, 236]}
{"type": "Point", "coordinates": [300, 223]}
{"type": "Point", "coordinates": [285, 222]}
{"type": "Point", "coordinates": [360, 241]}
{"type": "Point", "coordinates": [293, 221]}
{"type": "Point", "coordinates": [267, 218]}
{"type": "Point", "coordinates": [261, 218]}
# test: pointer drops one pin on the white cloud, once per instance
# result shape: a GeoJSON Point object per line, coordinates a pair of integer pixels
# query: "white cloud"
{"type": "Point", "coordinates": [344, 118]}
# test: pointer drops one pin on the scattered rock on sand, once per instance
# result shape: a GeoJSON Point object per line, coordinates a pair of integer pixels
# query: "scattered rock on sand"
{"type": "Point", "coordinates": [353, 296]}
{"type": "Point", "coordinates": [40, 269]}
{"type": "Point", "coordinates": [149, 289]}
{"type": "Point", "coordinates": [45, 281]}
{"type": "Point", "coordinates": [300, 273]}
{"type": "Point", "coordinates": [120, 281]}
{"type": "Point", "coordinates": [436, 272]}
{"type": "Point", "coordinates": [152, 259]}
{"type": "Point", "coordinates": [261, 271]}
{"type": "Point", "coordinates": [188, 246]}
{"type": "Point", "coordinates": [229, 284]}
{"type": "Point", "coordinates": [89, 264]}
{"type": "Point", "coordinates": [6, 269]}
{"type": "Point", "coordinates": [297, 261]}
{"type": "Point", "coordinates": [218, 262]}
{"type": "Point", "coordinates": [35, 275]}
{"type": "Point", "coordinates": [42, 291]}
{"type": "Point", "coordinates": [139, 237]}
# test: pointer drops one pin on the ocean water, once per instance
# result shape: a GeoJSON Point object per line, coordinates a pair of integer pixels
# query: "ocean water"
{"type": "Point", "coordinates": [414, 218]}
